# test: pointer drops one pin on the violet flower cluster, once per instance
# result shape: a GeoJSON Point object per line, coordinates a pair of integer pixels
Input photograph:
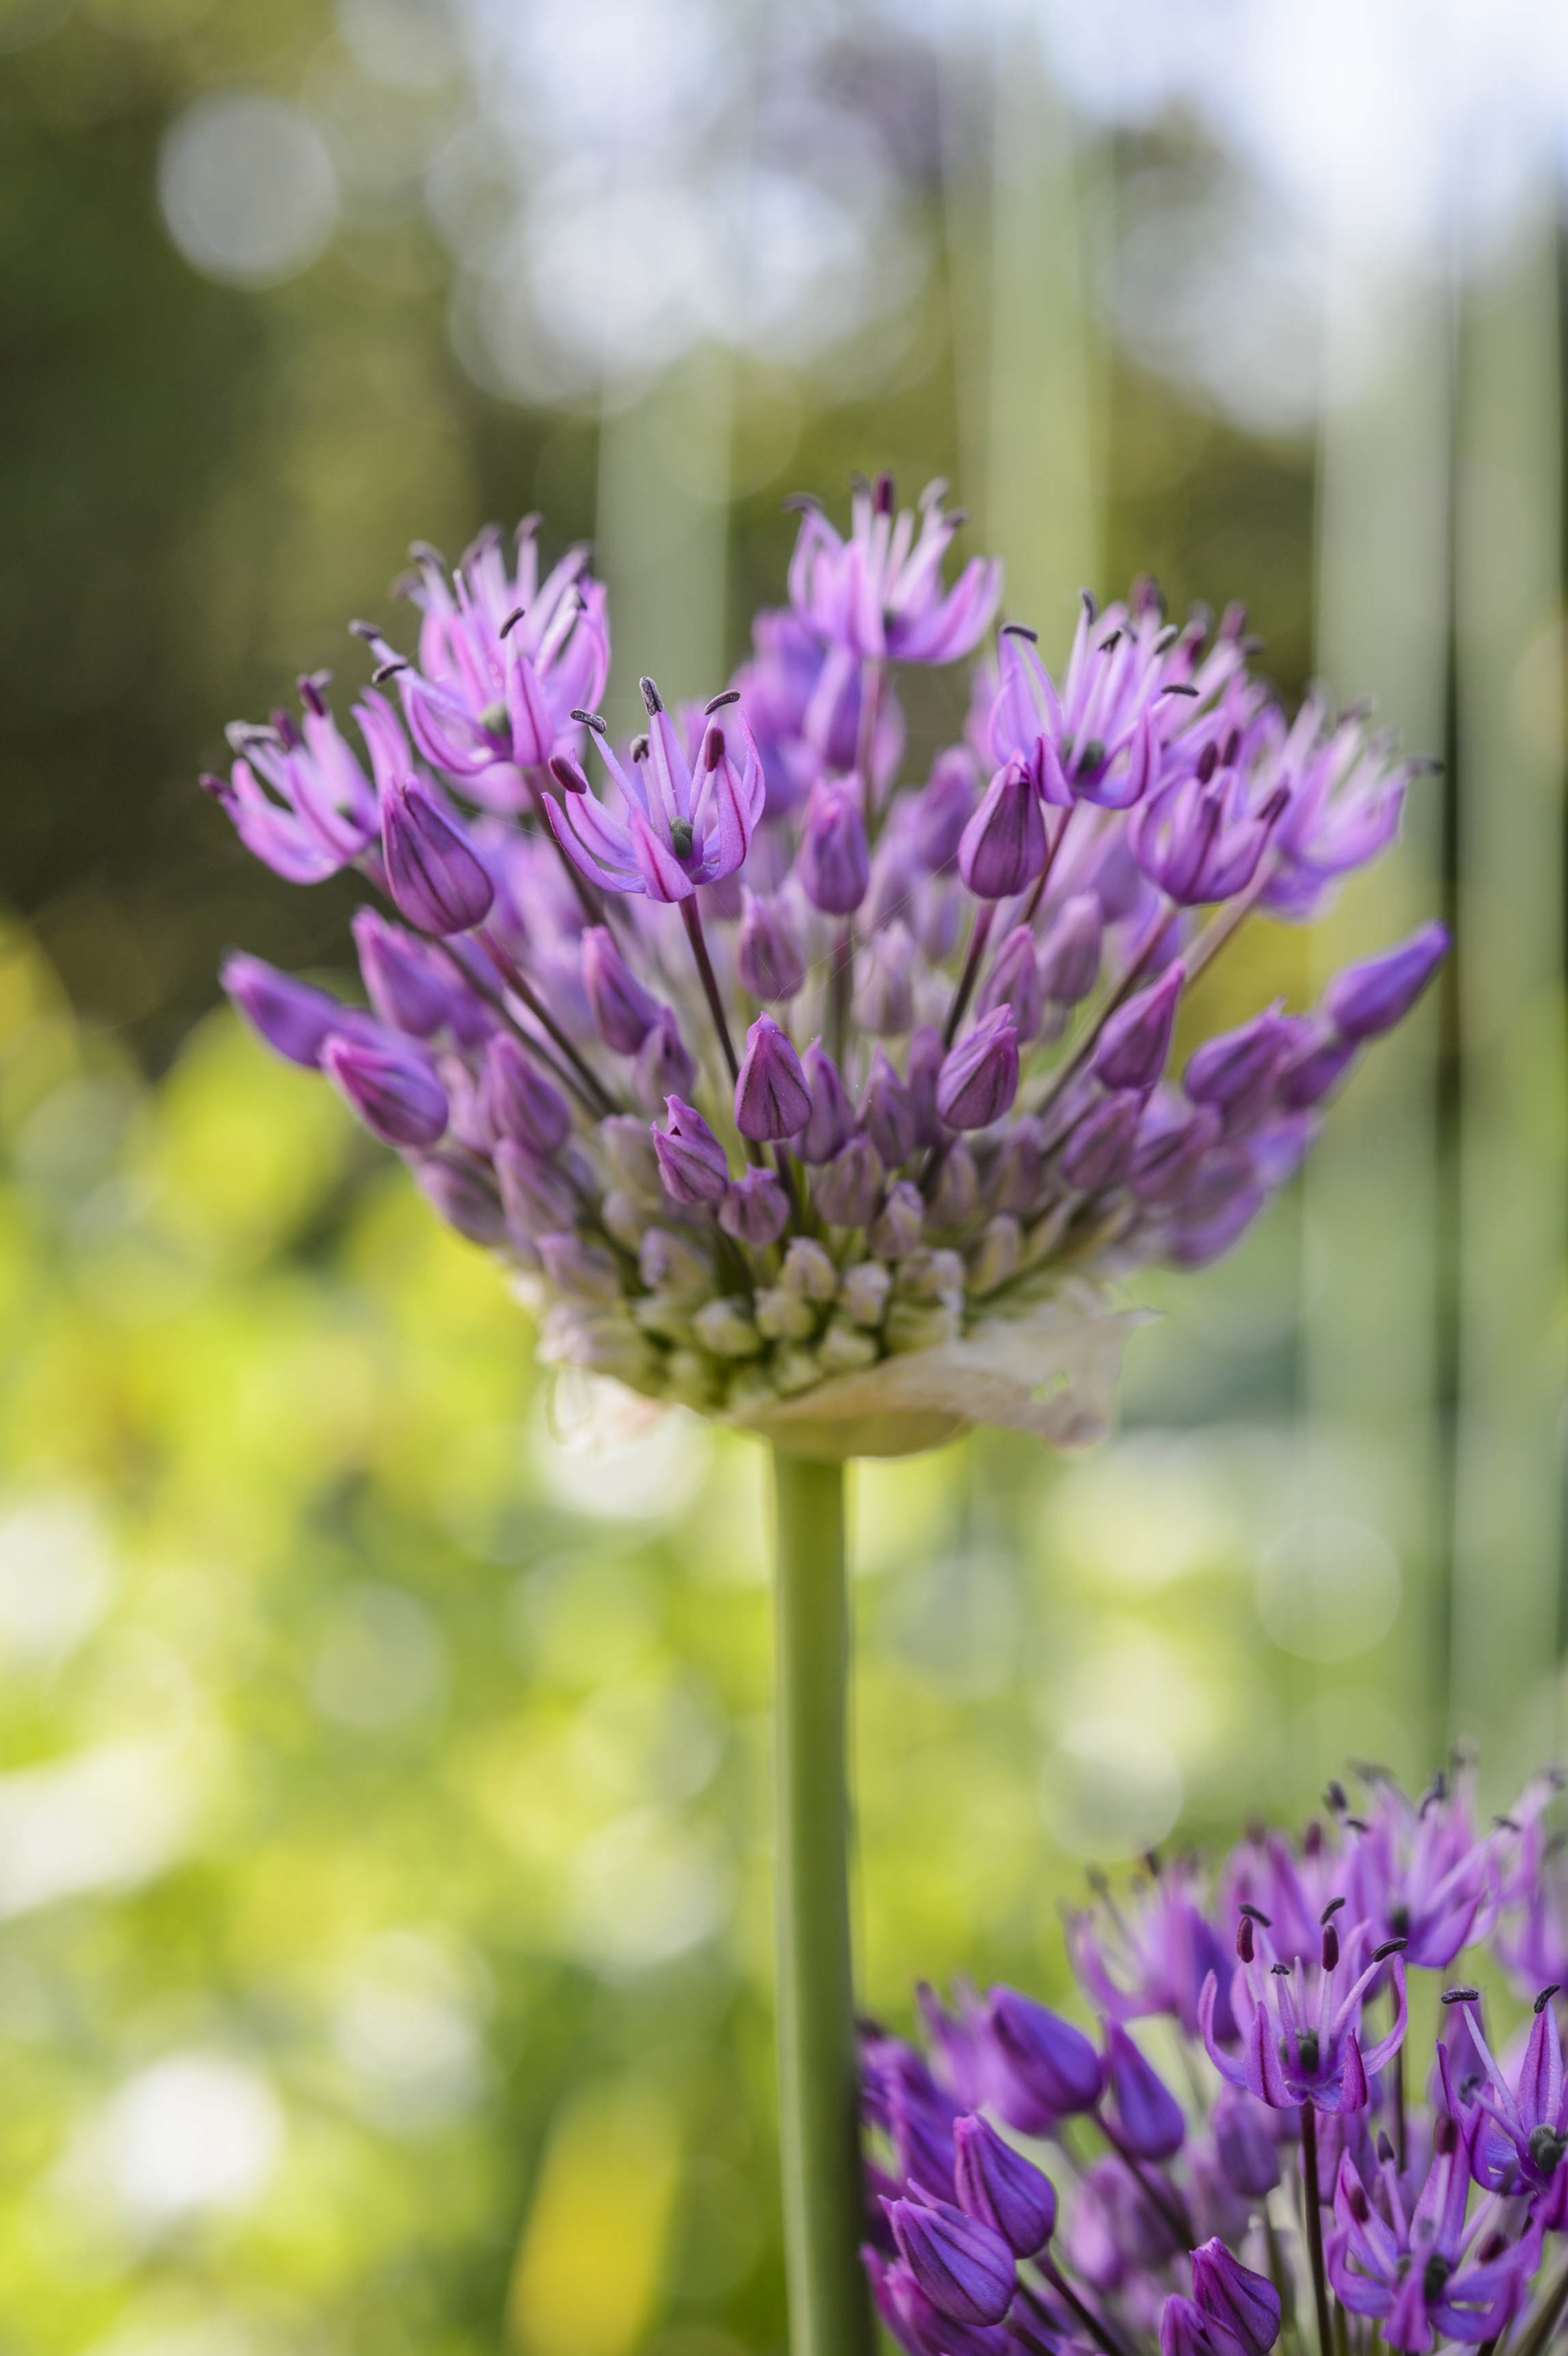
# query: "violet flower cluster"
{"type": "Point", "coordinates": [1031, 2190]}
{"type": "Point", "coordinates": [781, 1079]}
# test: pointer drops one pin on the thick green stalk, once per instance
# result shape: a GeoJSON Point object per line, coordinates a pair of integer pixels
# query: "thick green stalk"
{"type": "Point", "coordinates": [830, 2313]}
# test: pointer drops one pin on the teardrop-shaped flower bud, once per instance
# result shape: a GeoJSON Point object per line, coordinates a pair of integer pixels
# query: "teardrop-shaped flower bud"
{"type": "Point", "coordinates": [833, 862]}
{"type": "Point", "coordinates": [1003, 2188]}
{"type": "Point", "coordinates": [1071, 952]}
{"type": "Point", "coordinates": [885, 996]}
{"type": "Point", "coordinates": [691, 1161]}
{"type": "Point", "coordinates": [1099, 1150]}
{"type": "Point", "coordinates": [583, 1271]}
{"type": "Point", "coordinates": [1369, 998]}
{"type": "Point", "coordinates": [623, 1011]}
{"type": "Point", "coordinates": [772, 1101]}
{"type": "Point", "coordinates": [1015, 981]}
{"type": "Point", "coordinates": [941, 809]}
{"type": "Point", "coordinates": [847, 1192]}
{"type": "Point", "coordinates": [1231, 2294]}
{"type": "Point", "coordinates": [665, 1067]}
{"type": "Point", "coordinates": [1137, 1041]}
{"type": "Point", "coordinates": [887, 1114]}
{"type": "Point", "coordinates": [768, 957]}
{"type": "Point", "coordinates": [538, 1197]}
{"type": "Point", "coordinates": [965, 2266]}
{"type": "Point", "coordinates": [831, 1120]}
{"type": "Point", "coordinates": [463, 1194]}
{"type": "Point", "coordinates": [923, 1061]}
{"type": "Point", "coordinates": [955, 1197]}
{"type": "Point", "coordinates": [1248, 2157]}
{"type": "Point", "coordinates": [392, 1088]}
{"type": "Point", "coordinates": [519, 1101]}
{"type": "Point", "coordinates": [1040, 2068]}
{"type": "Point", "coordinates": [295, 1020]}
{"type": "Point", "coordinates": [436, 876]}
{"type": "Point", "coordinates": [1185, 2330]}
{"type": "Point", "coordinates": [1151, 2118]}
{"type": "Point", "coordinates": [979, 1078]}
{"type": "Point", "coordinates": [1003, 845]}
{"type": "Point", "coordinates": [401, 976]}
{"type": "Point", "coordinates": [754, 1209]}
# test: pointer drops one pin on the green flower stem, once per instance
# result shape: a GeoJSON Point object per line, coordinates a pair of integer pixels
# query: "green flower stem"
{"type": "Point", "coordinates": [829, 2311]}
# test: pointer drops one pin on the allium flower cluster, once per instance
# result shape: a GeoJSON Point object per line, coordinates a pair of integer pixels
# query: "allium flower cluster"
{"type": "Point", "coordinates": [789, 1086]}
{"type": "Point", "coordinates": [1031, 2190]}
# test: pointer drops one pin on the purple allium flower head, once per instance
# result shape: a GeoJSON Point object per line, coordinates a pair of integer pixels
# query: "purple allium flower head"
{"type": "Point", "coordinates": [831, 1120]}
{"type": "Point", "coordinates": [688, 821]}
{"type": "Point", "coordinates": [301, 803]}
{"type": "Point", "coordinates": [979, 1078]}
{"type": "Point", "coordinates": [833, 864]}
{"type": "Point", "coordinates": [433, 873]}
{"type": "Point", "coordinates": [1300, 2040]}
{"type": "Point", "coordinates": [503, 660]}
{"type": "Point", "coordinates": [1147, 2114]}
{"type": "Point", "coordinates": [1071, 950]}
{"type": "Point", "coordinates": [772, 1101]}
{"type": "Point", "coordinates": [963, 2264]}
{"type": "Point", "coordinates": [1518, 2135]}
{"type": "Point", "coordinates": [691, 1161]}
{"type": "Point", "coordinates": [1003, 848]}
{"type": "Point", "coordinates": [754, 1210]}
{"type": "Point", "coordinates": [1418, 2276]}
{"type": "Point", "coordinates": [1137, 1041]}
{"type": "Point", "coordinates": [879, 594]}
{"type": "Point", "coordinates": [1369, 998]}
{"type": "Point", "coordinates": [295, 1020]}
{"type": "Point", "coordinates": [389, 1085]}
{"type": "Point", "coordinates": [1039, 2068]}
{"type": "Point", "coordinates": [1003, 2188]}
{"type": "Point", "coordinates": [624, 1013]}
{"type": "Point", "coordinates": [768, 957]}
{"type": "Point", "coordinates": [519, 1101]}
{"type": "Point", "coordinates": [1247, 2305]}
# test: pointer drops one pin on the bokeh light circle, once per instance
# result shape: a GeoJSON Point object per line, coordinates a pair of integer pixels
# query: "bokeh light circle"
{"type": "Point", "coordinates": [247, 188]}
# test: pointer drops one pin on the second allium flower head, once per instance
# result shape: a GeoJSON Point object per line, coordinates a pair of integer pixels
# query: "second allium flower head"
{"type": "Point", "coordinates": [768, 1071]}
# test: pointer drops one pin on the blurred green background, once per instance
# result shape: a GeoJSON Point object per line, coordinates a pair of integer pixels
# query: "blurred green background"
{"type": "Point", "coordinates": [384, 1937]}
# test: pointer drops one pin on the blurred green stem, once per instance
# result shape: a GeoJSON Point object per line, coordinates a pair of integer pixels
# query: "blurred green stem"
{"type": "Point", "coordinates": [830, 2312]}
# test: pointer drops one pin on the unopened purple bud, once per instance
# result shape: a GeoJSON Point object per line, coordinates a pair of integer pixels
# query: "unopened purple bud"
{"type": "Point", "coordinates": [583, 1271]}
{"type": "Point", "coordinates": [691, 1161]}
{"type": "Point", "coordinates": [955, 1198]}
{"type": "Point", "coordinates": [1149, 2115]}
{"type": "Point", "coordinates": [392, 1090]}
{"type": "Point", "coordinates": [463, 1195]}
{"type": "Point", "coordinates": [1043, 2069]}
{"type": "Point", "coordinates": [923, 1062]}
{"type": "Point", "coordinates": [538, 1197]}
{"type": "Point", "coordinates": [916, 2325]}
{"type": "Point", "coordinates": [1369, 998]}
{"type": "Point", "coordinates": [897, 1227]}
{"type": "Point", "coordinates": [768, 957]}
{"type": "Point", "coordinates": [404, 988]}
{"type": "Point", "coordinates": [979, 1078]}
{"type": "Point", "coordinates": [963, 2265]}
{"type": "Point", "coordinates": [1137, 1041]}
{"type": "Point", "coordinates": [833, 862]}
{"type": "Point", "coordinates": [519, 1101]}
{"type": "Point", "coordinates": [1314, 1071]}
{"type": "Point", "coordinates": [1003, 845]}
{"type": "Point", "coordinates": [1071, 952]}
{"type": "Point", "coordinates": [1173, 1138]}
{"type": "Point", "coordinates": [1099, 1150]}
{"type": "Point", "coordinates": [436, 879]}
{"type": "Point", "coordinates": [1015, 981]}
{"type": "Point", "coordinates": [623, 1011]}
{"type": "Point", "coordinates": [884, 1001]}
{"type": "Point", "coordinates": [1246, 2305]}
{"type": "Point", "coordinates": [1185, 2330]}
{"type": "Point", "coordinates": [755, 1209]}
{"type": "Point", "coordinates": [1249, 2158]}
{"type": "Point", "coordinates": [941, 809]}
{"type": "Point", "coordinates": [1003, 2188]}
{"type": "Point", "coordinates": [831, 1122]}
{"type": "Point", "coordinates": [295, 1020]}
{"type": "Point", "coordinates": [772, 1098]}
{"type": "Point", "coordinates": [887, 1113]}
{"type": "Point", "coordinates": [665, 1065]}
{"type": "Point", "coordinates": [1014, 1185]}
{"type": "Point", "coordinates": [1236, 1063]}
{"type": "Point", "coordinates": [847, 1192]}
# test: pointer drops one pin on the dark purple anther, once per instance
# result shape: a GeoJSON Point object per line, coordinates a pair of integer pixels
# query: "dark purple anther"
{"type": "Point", "coordinates": [1071, 952]}
{"type": "Point", "coordinates": [295, 1020]}
{"type": "Point", "coordinates": [436, 879]}
{"type": "Point", "coordinates": [538, 1197]}
{"type": "Point", "coordinates": [691, 1161]}
{"type": "Point", "coordinates": [519, 1101]}
{"type": "Point", "coordinates": [1369, 998]}
{"type": "Point", "coordinates": [964, 2267]}
{"type": "Point", "coordinates": [1041, 2068]}
{"type": "Point", "coordinates": [831, 1121]}
{"type": "Point", "coordinates": [941, 811]}
{"type": "Point", "coordinates": [401, 977]}
{"type": "Point", "coordinates": [1003, 846]}
{"type": "Point", "coordinates": [1015, 981]}
{"type": "Point", "coordinates": [768, 957]}
{"type": "Point", "coordinates": [392, 1088]}
{"type": "Point", "coordinates": [772, 1101]}
{"type": "Point", "coordinates": [847, 1192]}
{"type": "Point", "coordinates": [1149, 2117]}
{"type": "Point", "coordinates": [978, 1080]}
{"type": "Point", "coordinates": [833, 861]}
{"type": "Point", "coordinates": [623, 1011]}
{"type": "Point", "coordinates": [887, 1114]}
{"type": "Point", "coordinates": [1099, 1150]}
{"type": "Point", "coordinates": [1247, 2305]}
{"type": "Point", "coordinates": [754, 1210]}
{"type": "Point", "coordinates": [1137, 1041]}
{"type": "Point", "coordinates": [1003, 2188]}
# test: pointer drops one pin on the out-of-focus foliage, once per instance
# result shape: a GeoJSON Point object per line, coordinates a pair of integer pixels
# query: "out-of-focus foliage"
{"type": "Point", "coordinates": [384, 1890]}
